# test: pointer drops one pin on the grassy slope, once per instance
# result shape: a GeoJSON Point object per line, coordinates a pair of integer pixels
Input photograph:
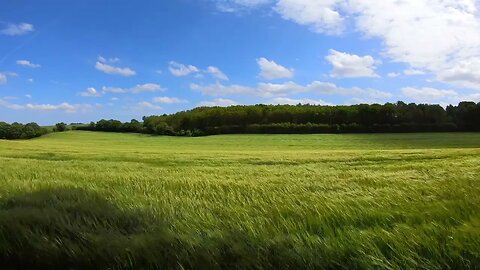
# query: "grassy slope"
{"type": "Point", "coordinates": [285, 201]}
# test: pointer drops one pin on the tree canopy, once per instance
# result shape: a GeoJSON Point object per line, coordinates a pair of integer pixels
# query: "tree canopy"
{"type": "Point", "coordinates": [389, 117]}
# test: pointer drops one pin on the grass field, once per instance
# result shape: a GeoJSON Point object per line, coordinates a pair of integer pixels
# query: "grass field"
{"type": "Point", "coordinates": [83, 200]}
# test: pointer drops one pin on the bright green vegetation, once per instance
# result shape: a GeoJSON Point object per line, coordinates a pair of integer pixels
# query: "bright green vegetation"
{"type": "Point", "coordinates": [82, 200]}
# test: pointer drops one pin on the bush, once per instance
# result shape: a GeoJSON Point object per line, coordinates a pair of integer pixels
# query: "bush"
{"type": "Point", "coordinates": [60, 127]}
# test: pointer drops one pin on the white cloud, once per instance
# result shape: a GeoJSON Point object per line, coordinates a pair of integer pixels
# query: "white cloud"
{"type": "Point", "coordinates": [148, 87]}
{"type": "Point", "coordinates": [217, 73]}
{"type": "Point", "coordinates": [436, 36]}
{"type": "Point", "coordinates": [269, 70]}
{"type": "Point", "coordinates": [30, 80]}
{"type": "Point", "coordinates": [12, 29]}
{"type": "Point", "coordinates": [220, 102]}
{"type": "Point", "coordinates": [181, 70]}
{"type": "Point", "coordinates": [347, 65]}
{"type": "Point", "coordinates": [439, 96]}
{"type": "Point", "coordinates": [413, 72]}
{"type": "Point", "coordinates": [431, 35]}
{"type": "Point", "coordinates": [427, 94]}
{"type": "Point", "coordinates": [464, 73]}
{"type": "Point", "coordinates": [238, 5]}
{"type": "Point", "coordinates": [271, 90]}
{"type": "Point", "coordinates": [393, 74]}
{"type": "Point", "coordinates": [11, 106]}
{"type": "Point", "coordinates": [221, 90]}
{"type": "Point", "coordinates": [169, 100]}
{"type": "Point", "coordinates": [3, 78]}
{"type": "Point", "coordinates": [106, 66]}
{"type": "Point", "coordinates": [319, 15]}
{"type": "Point", "coordinates": [148, 105]}
{"type": "Point", "coordinates": [108, 60]}
{"type": "Point", "coordinates": [322, 88]}
{"type": "Point", "coordinates": [28, 96]}
{"type": "Point", "coordinates": [27, 63]}
{"type": "Point", "coordinates": [65, 107]}
{"type": "Point", "coordinates": [139, 88]}
{"type": "Point", "coordinates": [91, 92]}
{"type": "Point", "coordinates": [290, 101]}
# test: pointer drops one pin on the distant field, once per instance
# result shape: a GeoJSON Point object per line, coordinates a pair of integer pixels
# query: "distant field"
{"type": "Point", "coordinates": [82, 200]}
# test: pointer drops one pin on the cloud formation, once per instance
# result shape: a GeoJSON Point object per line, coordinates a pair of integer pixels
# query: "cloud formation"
{"type": "Point", "coordinates": [169, 100]}
{"type": "Point", "coordinates": [219, 102]}
{"type": "Point", "coordinates": [27, 63]}
{"type": "Point", "coordinates": [91, 92]}
{"type": "Point", "coordinates": [440, 37]}
{"type": "Point", "coordinates": [139, 88]}
{"type": "Point", "coordinates": [347, 65]}
{"type": "Point", "coordinates": [272, 90]}
{"type": "Point", "coordinates": [217, 73]}
{"type": "Point", "coordinates": [270, 70]}
{"type": "Point", "coordinates": [181, 70]}
{"type": "Point", "coordinates": [292, 101]}
{"type": "Point", "coordinates": [19, 29]}
{"type": "Point", "coordinates": [107, 66]}
{"type": "Point", "coordinates": [65, 107]}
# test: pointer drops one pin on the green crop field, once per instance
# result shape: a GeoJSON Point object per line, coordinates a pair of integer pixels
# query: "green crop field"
{"type": "Point", "coordinates": [84, 200]}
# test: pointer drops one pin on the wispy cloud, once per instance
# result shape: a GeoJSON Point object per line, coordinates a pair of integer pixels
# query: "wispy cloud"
{"type": "Point", "coordinates": [271, 90]}
{"type": "Point", "coordinates": [181, 70]}
{"type": "Point", "coordinates": [19, 29]}
{"type": "Point", "coordinates": [4, 76]}
{"type": "Point", "coordinates": [219, 102]}
{"type": "Point", "coordinates": [147, 105]}
{"type": "Point", "coordinates": [27, 63]}
{"type": "Point", "coordinates": [91, 92]}
{"type": "Point", "coordinates": [139, 88]}
{"type": "Point", "coordinates": [65, 107]}
{"type": "Point", "coordinates": [293, 101]}
{"type": "Point", "coordinates": [107, 66]}
{"type": "Point", "coordinates": [169, 100]}
{"type": "Point", "coordinates": [216, 73]}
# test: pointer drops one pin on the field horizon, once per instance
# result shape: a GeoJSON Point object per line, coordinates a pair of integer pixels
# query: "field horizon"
{"type": "Point", "coordinates": [82, 199]}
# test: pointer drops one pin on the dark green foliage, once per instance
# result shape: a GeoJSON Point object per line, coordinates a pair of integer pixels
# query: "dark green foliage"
{"type": "Point", "coordinates": [60, 127]}
{"type": "Point", "coordinates": [111, 125]}
{"type": "Point", "coordinates": [363, 118]}
{"type": "Point", "coordinates": [304, 119]}
{"type": "Point", "coordinates": [16, 131]}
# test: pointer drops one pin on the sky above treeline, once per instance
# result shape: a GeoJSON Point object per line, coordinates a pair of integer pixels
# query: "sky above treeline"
{"type": "Point", "coordinates": [81, 61]}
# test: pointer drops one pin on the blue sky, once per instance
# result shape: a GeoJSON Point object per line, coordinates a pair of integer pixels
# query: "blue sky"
{"type": "Point", "coordinates": [80, 61]}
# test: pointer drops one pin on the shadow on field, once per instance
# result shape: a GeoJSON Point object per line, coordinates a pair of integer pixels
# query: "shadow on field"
{"type": "Point", "coordinates": [75, 229]}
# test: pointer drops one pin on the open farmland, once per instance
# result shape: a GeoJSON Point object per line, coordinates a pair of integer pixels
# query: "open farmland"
{"type": "Point", "coordinates": [102, 200]}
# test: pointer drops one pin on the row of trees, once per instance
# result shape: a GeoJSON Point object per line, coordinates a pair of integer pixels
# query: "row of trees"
{"type": "Point", "coordinates": [390, 117]}
{"type": "Point", "coordinates": [16, 131]}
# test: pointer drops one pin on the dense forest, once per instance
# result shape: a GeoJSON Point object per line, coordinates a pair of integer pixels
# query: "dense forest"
{"type": "Point", "coordinates": [285, 119]}
{"type": "Point", "coordinates": [19, 131]}
{"type": "Point", "coordinates": [282, 119]}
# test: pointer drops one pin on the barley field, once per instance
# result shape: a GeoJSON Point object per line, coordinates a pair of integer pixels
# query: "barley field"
{"type": "Point", "coordinates": [86, 200]}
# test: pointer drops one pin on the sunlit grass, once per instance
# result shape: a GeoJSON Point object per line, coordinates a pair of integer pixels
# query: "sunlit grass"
{"type": "Point", "coordinates": [81, 199]}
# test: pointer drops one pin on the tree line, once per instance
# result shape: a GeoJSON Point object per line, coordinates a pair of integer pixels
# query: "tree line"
{"type": "Point", "coordinates": [285, 119]}
{"type": "Point", "coordinates": [16, 131]}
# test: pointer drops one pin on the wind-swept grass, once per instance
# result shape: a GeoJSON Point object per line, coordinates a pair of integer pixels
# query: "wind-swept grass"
{"type": "Point", "coordinates": [83, 200]}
